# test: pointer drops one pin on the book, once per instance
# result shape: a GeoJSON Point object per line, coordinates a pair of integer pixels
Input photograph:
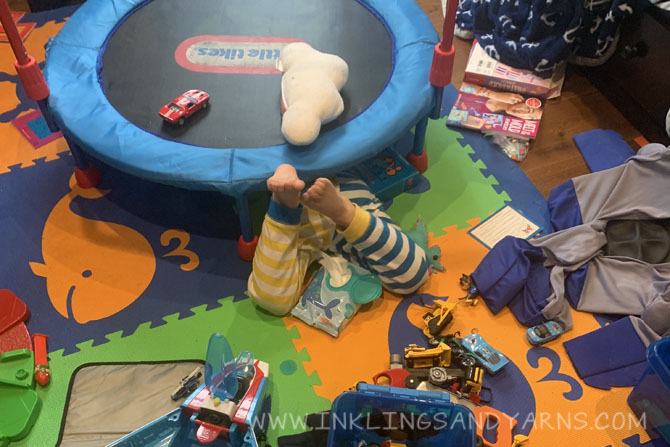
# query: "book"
{"type": "Point", "coordinates": [495, 112]}
{"type": "Point", "coordinates": [484, 70]}
{"type": "Point", "coordinates": [388, 174]}
{"type": "Point", "coordinates": [507, 221]}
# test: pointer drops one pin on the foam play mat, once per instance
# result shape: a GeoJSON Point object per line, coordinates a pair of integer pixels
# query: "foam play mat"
{"type": "Point", "coordinates": [135, 272]}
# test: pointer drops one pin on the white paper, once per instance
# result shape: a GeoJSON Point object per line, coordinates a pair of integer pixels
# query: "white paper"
{"type": "Point", "coordinates": [506, 222]}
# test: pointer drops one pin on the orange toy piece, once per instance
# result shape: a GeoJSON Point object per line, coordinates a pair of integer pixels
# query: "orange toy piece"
{"type": "Point", "coordinates": [504, 422]}
{"type": "Point", "coordinates": [42, 372]}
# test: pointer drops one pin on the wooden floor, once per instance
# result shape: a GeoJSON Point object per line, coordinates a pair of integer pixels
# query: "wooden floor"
{"type": "Point", "coordinates": [553, 157]}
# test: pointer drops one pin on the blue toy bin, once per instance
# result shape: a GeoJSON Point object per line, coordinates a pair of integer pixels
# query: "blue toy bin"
{"type": "Point", "coordinates": [437, 420]}
{"type": "Point", "coordinates": [650, 399]}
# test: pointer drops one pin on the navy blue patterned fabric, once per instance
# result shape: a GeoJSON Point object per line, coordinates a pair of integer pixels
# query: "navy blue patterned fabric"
{"type": "Point", "coordinates": [539, 34]}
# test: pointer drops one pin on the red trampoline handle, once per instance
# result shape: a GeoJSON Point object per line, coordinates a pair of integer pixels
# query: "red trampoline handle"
{"type": "Point", "coordinates": [27, 68]}
{"type": "Point", "coordinates": [443, 55]}
{"type": "Point", "coordinates": [12, 33]}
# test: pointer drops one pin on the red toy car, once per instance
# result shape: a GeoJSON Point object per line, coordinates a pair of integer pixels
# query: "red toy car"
{"type": "Point", "coordinates": [184, 106]}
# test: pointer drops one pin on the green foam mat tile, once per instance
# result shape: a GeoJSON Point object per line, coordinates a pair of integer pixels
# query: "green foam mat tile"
{"type": "Point", "coordinates": [458, 190]}
{"type": "Point", "coordinates": [245, 327]}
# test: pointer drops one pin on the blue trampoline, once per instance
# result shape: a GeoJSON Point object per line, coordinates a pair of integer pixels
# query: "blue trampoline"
{"type": "Point", "coordinates": [116, 62]}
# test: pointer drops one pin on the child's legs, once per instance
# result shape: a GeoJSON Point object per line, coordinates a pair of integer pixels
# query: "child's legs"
{"type": "Point", "coordinates": [290, 241]}
{"type": "Point", "coordinates": [375, 242]}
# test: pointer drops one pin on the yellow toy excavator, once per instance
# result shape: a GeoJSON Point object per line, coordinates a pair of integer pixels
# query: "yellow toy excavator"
{"type": "Point", "coordinates": [438, 318]}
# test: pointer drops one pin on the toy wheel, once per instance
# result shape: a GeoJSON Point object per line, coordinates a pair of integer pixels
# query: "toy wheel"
{"type": "Point", "coordinates": [412, 381]}
{"type": "Point", "coordinates": [181, 121]}
{"type": "Point", "coordinates": [467, 361]}
{"type": "Point", "coordinates": [438, 376]}
{"type": "Point", "coordinates": [205, 104]}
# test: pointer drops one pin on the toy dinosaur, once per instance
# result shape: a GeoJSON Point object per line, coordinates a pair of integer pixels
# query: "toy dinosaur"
{"type": "Point", "coordinates": [419, 234]}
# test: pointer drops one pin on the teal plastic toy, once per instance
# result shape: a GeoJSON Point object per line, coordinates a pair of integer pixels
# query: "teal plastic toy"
{"type": "Point", "coordinates": [419, 234]}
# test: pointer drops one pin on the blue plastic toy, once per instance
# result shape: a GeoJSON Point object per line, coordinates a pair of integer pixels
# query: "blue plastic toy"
{"type": "Point", "coordinates": [491, 359]}
{"type": "Point", "coordinates": [220, 413]}
{"type": "Point", "coordinates": [374, 413]}
{"type": "Point", "coordinates": [650, 399]}
{"type": "Point", "coordinates": [542, 333]}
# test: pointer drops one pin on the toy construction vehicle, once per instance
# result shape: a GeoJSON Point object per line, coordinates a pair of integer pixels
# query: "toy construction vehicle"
{"type": "Point", "coordinates": [418, 357]}
{"type": "Point", "coordinates": [438, 319]}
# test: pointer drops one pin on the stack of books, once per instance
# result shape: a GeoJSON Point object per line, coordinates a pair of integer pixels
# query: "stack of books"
{"type": "Point", "coordinates": [503, 102]}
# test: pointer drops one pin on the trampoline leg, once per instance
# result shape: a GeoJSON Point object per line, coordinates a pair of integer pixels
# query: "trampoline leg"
{"type": "Point", "coordinates": [86, 174]}
{"type": "Point", "coordinates": [48, 117]}
{"type": "Point", "coordinates": [417, 157]}
{"type": "Point", "coordinates": [246, 244]}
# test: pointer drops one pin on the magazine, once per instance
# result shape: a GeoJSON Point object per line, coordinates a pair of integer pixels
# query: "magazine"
{"type": "Point", "coordinates": [496, 112]}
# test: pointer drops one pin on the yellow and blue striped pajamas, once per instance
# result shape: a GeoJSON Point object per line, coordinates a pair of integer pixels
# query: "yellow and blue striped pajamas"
{"type": "Point", "coordinates": [292, 239]}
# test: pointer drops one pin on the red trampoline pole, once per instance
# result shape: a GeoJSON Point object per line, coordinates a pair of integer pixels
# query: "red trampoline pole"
{"type": "Point", "coordinates": [439, 77]}
{"type": "Point", "coordinates": [27, 68]}
{"type": "Point", "coordinates": [36, 88]}
{"type": "Point", "coordinates": [443, 55]}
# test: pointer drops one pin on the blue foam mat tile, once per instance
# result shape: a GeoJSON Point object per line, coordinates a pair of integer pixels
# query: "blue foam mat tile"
{"type": "Point", "coordinates": [133, 206]}
{"type": "Point", "coordinates": [511, 179]}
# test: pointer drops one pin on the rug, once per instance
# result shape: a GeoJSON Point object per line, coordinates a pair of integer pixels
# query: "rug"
{"type": "Point", "coordinates": [139, 272]}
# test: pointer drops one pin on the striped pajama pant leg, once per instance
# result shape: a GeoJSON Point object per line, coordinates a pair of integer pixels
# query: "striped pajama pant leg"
{"type": "Point", "coordinates": [291, 240]}
{"type": "Point", "coordinates": [375, 242]}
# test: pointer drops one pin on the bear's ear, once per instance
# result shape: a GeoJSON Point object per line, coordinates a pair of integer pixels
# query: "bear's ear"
{"type": "Point", "coordinates": [278, 65]}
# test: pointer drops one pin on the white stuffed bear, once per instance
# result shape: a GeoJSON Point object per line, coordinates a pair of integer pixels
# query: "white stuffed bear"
{"type": "Point", "coordinates": [310, 89]}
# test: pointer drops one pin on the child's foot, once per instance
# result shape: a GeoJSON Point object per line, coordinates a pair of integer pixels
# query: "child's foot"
{"type": "Point", "coordinates": [286, 186]}
{"type": "Point", "coordinates": [323, 197]}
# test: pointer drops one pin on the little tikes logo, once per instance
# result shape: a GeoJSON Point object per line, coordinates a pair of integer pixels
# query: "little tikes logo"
{"type": "Point", "coordinates": [231, 54]}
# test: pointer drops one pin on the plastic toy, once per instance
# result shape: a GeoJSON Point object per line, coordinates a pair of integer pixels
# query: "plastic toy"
{"type": "Point", "coordinates": [543, 333]}
{"type": "Point", "coordinates": [18, 399]}
{"type": "Point", "coordinates": [505, 425]}
{"type": "Point", "coordinates": [469, 286]}
{"type": "Point", "coordinates": [419, 234]}
{"type": "Point", "coordinates": [490, 358]}
{"type": "Point", "coordinates": [310, 91]}
{"type": "Point", "coordinates": [183, 106]}
{"type": "Point", "coordinates": [410, 417]}
{"type": "Point", "coordinates": [460, 356]}
{"type": "Point", "coordinates": [42, 371]}
{"type": "Point", "coordinates": [650, 399]}
{"type": "Point", "coordinates": [418, 357]}
{"type": "Point", "coordinates": [221, 412]}
{"type": "Point", "coordinates": [187, 385]}
{"type": "Point", "coordinates": [438, 319]}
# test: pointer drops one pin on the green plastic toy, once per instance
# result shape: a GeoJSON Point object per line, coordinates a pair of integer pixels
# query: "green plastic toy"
{"type": "Point", "coordinates": [17, 395]}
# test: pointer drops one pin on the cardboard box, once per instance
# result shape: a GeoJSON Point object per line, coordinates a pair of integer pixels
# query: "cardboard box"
{"type": "Point", "coordinates": [484, 70]}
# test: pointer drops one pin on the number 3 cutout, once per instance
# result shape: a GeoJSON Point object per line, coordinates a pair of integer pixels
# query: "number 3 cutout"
{"type": "Point", "coordinates": [184, 238]}
{"type": "Point", "coordinates": [533, 357]}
